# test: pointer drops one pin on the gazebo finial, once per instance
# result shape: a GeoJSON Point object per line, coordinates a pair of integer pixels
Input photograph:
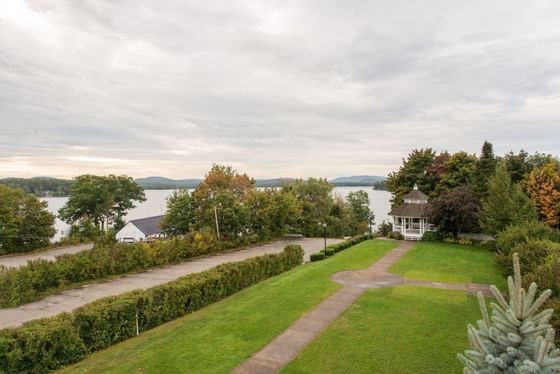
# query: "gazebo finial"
{"type": "Point", "coordinates": [415, 186]}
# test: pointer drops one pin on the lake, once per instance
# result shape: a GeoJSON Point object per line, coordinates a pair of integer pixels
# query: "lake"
{"type": "Point", "coordinates": [155, 205]}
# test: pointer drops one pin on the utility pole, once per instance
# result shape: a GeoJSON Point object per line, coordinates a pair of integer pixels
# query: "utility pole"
{"type": "Point", "coordinates": [217, 225]}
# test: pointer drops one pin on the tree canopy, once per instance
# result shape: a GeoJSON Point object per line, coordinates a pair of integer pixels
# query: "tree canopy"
{"type": "Point", "coordinates": [455, 211]}
{"type": "Point", "coordinates": [101, 200]}
{"type": "Point", "coordinates": [505, 204]}
{"type": "Point", "coordinates": [25, 223]}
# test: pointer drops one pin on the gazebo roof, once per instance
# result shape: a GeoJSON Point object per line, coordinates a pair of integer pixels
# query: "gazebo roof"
{"type": "Point", "coordinates": [409, 210]}
{"type": "Point", "coordinates": [415, 195]}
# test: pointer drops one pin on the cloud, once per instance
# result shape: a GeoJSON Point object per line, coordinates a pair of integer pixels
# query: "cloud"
{"type": "Point", "coordinates": [292, 88]}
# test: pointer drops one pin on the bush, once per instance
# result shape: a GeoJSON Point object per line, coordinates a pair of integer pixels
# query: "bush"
{"type": "Point", "coordinates": [547, 275]}
{"type": "Point", "coordinates": [329, 252]}
{"type": "Point", "coordinates": [45, 345]}
{"type": "Point", "coordinates": [431, 236]}
{"type": "Point", "coordinates": [396, 235]}
{"type": "Point", "coordinates": [514, 235]}
{"type": "Point", "coordinates": [384, 229]}
{"type": "Point", "coordinates": [532, 254]}
{"type": "Point", "coordinates": [318, 256]}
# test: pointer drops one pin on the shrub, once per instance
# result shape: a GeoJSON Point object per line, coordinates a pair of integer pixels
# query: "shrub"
{"type": "Point", "coordinates": [45, 345]}
{"type": "Point", "coordinates": [318, 256]}
{"type": "Point", "coordinates": [431, 236]}
{"type": "Point", "coordinates": [396, 235]}
{"type": "Point", "coordinates": [329, 252]}
{"type": "Point", "coordinates": [532, 254]}
{"type": "Point", "coordinates": [384, 229]}
{"type": "Point", "coordinates": [547, 275]}
{"type": "Point", "coordinates": [514, 235]}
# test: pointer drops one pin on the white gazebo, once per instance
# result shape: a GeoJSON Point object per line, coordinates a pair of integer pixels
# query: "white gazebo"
{"type": "Point", "coordinates": [410, 217]}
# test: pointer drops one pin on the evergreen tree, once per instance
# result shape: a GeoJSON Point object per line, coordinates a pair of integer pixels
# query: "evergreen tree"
{"type": "Point", "coordinates": [485, 168]}
{"type": "Point", "coordinates": [505, 203]}
{"type": "Point", "coordinates": [517, 338]}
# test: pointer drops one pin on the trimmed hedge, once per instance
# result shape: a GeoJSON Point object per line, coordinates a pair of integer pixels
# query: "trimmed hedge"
{"type": "Point", "coordinates": [44, 345]}
{"type": "Point", "coordinates": [318, 256]}
{"type": "Point", "coordinates": [40, 277]}
{"type": "Point", "coordinates": [335, 248]}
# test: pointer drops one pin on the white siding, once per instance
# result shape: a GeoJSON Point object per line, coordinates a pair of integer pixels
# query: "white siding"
{"type": "Point", "coordinates": [130, 233]}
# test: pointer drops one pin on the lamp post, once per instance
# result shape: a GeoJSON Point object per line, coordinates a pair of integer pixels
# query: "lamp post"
{"type": "Point", "coordinates": [324, 224]}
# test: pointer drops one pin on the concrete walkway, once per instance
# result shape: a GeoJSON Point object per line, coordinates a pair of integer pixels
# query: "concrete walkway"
{"type": "Point", "coordinates": [49, 255]}
{"type": "Point", "coordinates": [69, 300]}
{"type": "Point", "coordinates": [286, 346]}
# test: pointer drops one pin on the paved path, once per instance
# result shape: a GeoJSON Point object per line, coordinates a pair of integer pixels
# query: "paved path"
{"type": "Point", "coordinates": [18, 260]}
{"type": "Point", "coordinates": [69, 300]}
{"type": "Point", "coordinates": [286, 346]}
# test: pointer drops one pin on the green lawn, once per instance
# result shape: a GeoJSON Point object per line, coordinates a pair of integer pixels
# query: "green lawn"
{"type": "Point", "coordinates": [397, 330]}
{"type": "Point", "coordinates": [453, 263]}
{"type": "Point", "coordinates": [221, 336]}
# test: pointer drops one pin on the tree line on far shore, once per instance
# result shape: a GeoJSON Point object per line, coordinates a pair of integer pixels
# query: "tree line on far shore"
{"type": "Point", "coordinates": [225, 202]}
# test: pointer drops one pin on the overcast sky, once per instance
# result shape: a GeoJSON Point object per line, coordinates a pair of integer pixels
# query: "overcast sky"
{"type": "Point", "coordinates": [275, 88]}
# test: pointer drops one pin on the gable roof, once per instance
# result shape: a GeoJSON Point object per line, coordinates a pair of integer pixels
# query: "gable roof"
{"type": "Point", "coordinates": [149, 225]}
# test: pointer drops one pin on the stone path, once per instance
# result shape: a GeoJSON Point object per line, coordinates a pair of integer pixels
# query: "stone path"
{"type": "Point", "coordinates": [71, 299]}
{"type": "Point", "coordinates": [286, 346]}
{"type": "Point", "coordinates": [50, 255]}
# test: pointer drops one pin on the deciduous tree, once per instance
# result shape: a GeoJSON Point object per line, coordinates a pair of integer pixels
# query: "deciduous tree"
{"type": "Point", "coordinates": [180, 213]}
{"type": "Point", "coordinates": [417, 168]}
{"type": "Point", "coordinates": [455, 211]}
{"type": "Point", "coordinates": [101, 200]}
{"type": "Point", "coordinates": [543, 187]}
{"type": "Point", "coordinates": [25, 223]}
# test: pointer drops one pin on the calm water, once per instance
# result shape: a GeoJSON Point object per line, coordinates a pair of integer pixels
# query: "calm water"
{"type": "Point", "coordinates": [156, 201]}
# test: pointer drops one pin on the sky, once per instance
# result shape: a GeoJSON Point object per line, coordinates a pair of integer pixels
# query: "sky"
{"type": "Point", "coordinates": [291, 88]}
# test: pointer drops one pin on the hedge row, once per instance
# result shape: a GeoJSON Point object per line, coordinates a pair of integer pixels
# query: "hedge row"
{"type": "Point", "coordinates": [40, 277]}
{"type": "Point", "coordinates": [47, 344]}
{"type": "Point", "coordinates": [334, 248]}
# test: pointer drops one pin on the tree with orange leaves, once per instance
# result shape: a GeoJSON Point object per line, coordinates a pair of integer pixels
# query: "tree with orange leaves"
{"type": "Point", "coordinates": [224, 178]}
{"type": "Point", "coordinates": [543, 187]}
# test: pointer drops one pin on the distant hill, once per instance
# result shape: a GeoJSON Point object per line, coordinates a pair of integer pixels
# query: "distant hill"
{"type": "Point", "coordinates": [359, 180]}
{"type": "Point", "coordinates": [40, 186]}
{"type": "Point", "coordinates": [161, 183]}
{"type": "Point", "coordinates": [276, 182]}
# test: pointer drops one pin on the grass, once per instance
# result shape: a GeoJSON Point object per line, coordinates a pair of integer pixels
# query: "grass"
{"type": "Point", "coordinates": [221, 336]}
{"type": "Point", "coordinates": [397, 330]}
{"type": "Point", "coordinates": [452, 263]}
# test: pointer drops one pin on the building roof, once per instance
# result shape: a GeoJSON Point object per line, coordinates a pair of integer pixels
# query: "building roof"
{"type": "Point", "coordinates": [409, 210]}
{"type": "Point", "coordinates": [149, 225]}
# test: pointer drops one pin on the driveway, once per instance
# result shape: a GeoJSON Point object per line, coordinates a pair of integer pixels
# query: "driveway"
{"type": "Point", "coordinates": [18, 260]}
{"type": "Point", "coordinates": [69, 300]}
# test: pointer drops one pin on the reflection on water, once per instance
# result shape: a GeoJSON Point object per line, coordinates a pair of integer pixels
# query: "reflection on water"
{"type": "Point", "coordinates": [156, 202]}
